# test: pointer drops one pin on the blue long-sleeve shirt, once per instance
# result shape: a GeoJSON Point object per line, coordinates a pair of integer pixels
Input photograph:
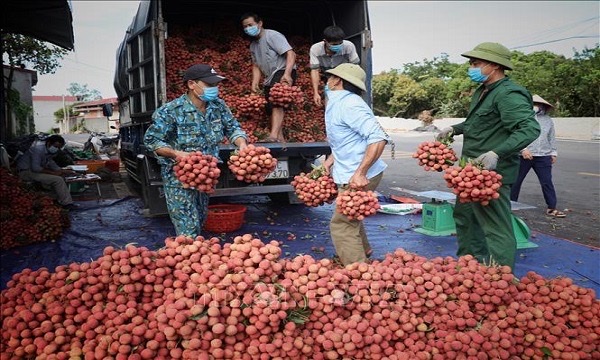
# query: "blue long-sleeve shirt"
{"type": "Point", "coordinates": [351, 127]}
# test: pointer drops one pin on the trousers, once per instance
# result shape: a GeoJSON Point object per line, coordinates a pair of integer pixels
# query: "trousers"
{"type": "Point", "coordinates": [52, 182]}
{"type": "Point", "coordinates": [486, 232]}
{"type": "Point", "coordinates": [188, 208]}
{"type": "Point", "coordinates": [542, 166]}
{"type": "Point", "coordinates": [349, 236]}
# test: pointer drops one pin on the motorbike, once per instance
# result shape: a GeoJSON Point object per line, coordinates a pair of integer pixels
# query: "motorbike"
{"type": "Point", "coordinates": [102, 144]}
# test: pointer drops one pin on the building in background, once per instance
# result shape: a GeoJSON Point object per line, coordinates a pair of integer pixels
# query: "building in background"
{"type": "Point", "coordinates": [17, 109]}
{"type": "Point", "coordinates": [98, 115]}
{"type": "Point", "coordinates": [44, 108]}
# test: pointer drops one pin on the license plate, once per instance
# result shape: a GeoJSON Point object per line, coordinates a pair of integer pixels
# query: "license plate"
{"type": "Point", "coordinates": [281, 171]}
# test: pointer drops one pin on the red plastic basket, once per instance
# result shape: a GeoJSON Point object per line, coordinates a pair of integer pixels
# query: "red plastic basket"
{"type": "Point", "coordinates": [224, 217]}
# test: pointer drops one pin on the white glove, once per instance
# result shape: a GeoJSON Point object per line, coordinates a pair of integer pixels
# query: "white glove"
{"type": "Point", "coordinates": [489, 160]}
{"type": "Point", "coordinates": [444, 133]}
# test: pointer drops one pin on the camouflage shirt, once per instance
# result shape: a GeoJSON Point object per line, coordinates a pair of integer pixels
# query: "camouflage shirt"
{"type": "Point", "coordinates": [179, 125]}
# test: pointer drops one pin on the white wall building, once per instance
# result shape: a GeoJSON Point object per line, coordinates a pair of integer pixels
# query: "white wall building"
{"type": "Point", "coordinates": [44, 108]}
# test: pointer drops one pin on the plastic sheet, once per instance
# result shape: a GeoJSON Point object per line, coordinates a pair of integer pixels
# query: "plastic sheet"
{"type": "Point", "coordinates": [301, 229]}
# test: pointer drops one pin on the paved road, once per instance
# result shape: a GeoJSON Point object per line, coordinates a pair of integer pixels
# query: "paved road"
{"type": "Point", "coordinates": [576, 179]}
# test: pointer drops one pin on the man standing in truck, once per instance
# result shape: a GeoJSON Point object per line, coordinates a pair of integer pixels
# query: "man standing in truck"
{"type": "Point", "coordinates": [327, 54]}
{"type": "Point", "coordinates": [196, 121]}
{"type": "Point", "coordinates": [273, 58]}
{"type": "Point", "coordinates": [357, 141]}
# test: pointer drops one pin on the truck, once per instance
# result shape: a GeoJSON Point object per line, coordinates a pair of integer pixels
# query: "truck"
{"type": "Point", "coordinates": [141, 83]}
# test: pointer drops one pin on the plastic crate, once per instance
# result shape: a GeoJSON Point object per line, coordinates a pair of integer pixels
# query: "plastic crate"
{"type": "Point", "coordinates": [93, 165]}
{"type": "Point", "coordinates": [224, 218]}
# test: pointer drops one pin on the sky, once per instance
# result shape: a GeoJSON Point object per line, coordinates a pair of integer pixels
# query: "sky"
{"type": "Point", "coordinates": [402, 32]}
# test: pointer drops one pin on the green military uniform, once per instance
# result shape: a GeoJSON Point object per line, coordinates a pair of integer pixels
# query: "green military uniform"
{"type": "Point", "coordinates": [500, 119]}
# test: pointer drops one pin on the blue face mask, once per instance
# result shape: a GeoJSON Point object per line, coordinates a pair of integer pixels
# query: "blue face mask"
{"type": "Point", "coordinates": [252, 30]}
{"type": "Point", "coordinates": [52, 149]}
{"type": "Point", "coordinates": [210, 94]}
{"type": "Point", "coordinates": [476, 75]}
{"type": "Point", "coordinates": [326, 90]}
{"type": "Point", "coordinates": [335, 48]}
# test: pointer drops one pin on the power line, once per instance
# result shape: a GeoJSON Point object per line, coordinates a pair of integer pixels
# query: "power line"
{"type": "Point", "coordinates": [556, 40]}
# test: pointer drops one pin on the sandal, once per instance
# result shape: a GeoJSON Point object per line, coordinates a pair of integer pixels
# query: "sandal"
{"type": "Point", "coordinates": [555, 213]}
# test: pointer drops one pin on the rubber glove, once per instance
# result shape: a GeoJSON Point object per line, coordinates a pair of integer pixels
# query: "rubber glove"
{"type": "Point", "coordinates": [444, 133]}
{"type": "Point", "coordinates": [489, 160]}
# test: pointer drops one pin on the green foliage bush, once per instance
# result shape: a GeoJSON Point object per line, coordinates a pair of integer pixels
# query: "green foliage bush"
{"type": "Point", "coordinates": [442, 87]}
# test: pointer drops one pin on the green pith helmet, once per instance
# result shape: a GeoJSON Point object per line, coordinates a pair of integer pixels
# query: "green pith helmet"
{"type": "Point", "coordinates": [493, 52]}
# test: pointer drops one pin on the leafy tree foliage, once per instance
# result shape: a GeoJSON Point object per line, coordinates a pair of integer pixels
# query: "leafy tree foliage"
{"type": "Point", "coordinates": [442, 87]}
{"type": "Point", "coordinates": [38, 55]}
{"type": "Point", "coordinates": [83, 93]}
{"type": "Point", "coordinates": [59, 114]}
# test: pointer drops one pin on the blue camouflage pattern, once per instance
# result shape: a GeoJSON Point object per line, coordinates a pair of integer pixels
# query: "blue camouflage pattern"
{"type": "Point", "coordinates": [179, 125]}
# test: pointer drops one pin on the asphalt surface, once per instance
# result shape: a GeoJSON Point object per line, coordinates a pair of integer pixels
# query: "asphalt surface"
{"type": "Point", "coordinates": [576, 177]}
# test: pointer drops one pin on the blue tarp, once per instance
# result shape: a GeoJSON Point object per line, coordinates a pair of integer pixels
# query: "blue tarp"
{"type": "Point", "coordinates": [301, 229]}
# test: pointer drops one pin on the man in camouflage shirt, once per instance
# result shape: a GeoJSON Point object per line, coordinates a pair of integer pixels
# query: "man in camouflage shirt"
{"type": "Point", "coordinates": [196, 121]}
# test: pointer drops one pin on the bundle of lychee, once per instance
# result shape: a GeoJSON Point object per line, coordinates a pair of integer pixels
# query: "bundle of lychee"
{"type": "Point", "coordinates": [252, 164]}
{"type": "Point", "coordinates": [284, 95]}
{"type": "Point", "coordinates": [435, 155]}
{"type": "Point", "coordinates": [250, 104]}
{"type": "Point", "coordinates": [357, 204]}
{"type": "Point", "coordinates": [473, 183]}
{"type": "Point", "coordinates": [315, 188]}
{"type": "Point", "coordinates": [198, 171]}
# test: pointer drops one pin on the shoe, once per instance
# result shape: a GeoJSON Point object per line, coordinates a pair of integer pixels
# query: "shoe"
{"type": "Point", "coordinates": [555, 213]}
{"type": "Point", "coordinates": [71, 206]}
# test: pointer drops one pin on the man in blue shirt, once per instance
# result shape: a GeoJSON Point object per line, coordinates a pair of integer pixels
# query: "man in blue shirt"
{"type": "Point", "coordinates": [37, 165]}
{"type": "Point", "coordinates": [357, 141]}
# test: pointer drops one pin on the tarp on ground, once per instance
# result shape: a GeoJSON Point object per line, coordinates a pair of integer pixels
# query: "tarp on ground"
{"type": "Point", "coordinates": [301, 229]}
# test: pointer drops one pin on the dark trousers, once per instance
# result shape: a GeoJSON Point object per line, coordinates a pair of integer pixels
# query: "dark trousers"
{"type": "Point", "coordinates": [267, 88]}
{"type": "Point", "coordinates": [542, 165]}
{"type": "Point", "coordinates": [486, 232]}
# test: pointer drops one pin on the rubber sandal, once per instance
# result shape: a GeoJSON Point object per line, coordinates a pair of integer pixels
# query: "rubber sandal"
{"type": "Point", "coordinates": [555, 213]}
{"type": "Point", "coordinates": [369, 253]}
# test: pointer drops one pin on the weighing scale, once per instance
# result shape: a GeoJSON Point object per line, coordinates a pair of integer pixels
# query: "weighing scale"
{"type": "Point", "coordinates": [438, 219]}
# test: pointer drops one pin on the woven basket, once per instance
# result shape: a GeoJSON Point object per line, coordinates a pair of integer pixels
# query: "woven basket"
{"type": "Point", "coordinates": [224, 218]}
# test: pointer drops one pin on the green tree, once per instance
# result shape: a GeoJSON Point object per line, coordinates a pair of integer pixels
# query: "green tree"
{"type": "Point", "coordinates": [572, 85]}
{"type": "Point", "coordinates": [83, 93]}
{"type": "Point", "coordinates": [59, 115]}
{"type": "Point", "coordinates": [382, 88]}
{"type": "Point", "coordinates": [408, 98]}
{"type": "Point", "coordinates": [583, 80]}
{"type": "Point", "coordinates": [440, 68]}
{"type": "Point", "coordinates": [537, 72]}
{"type": "Point", "coordinates": [20, 50]}
{"type": "Point", "coordinates": [38, 55]}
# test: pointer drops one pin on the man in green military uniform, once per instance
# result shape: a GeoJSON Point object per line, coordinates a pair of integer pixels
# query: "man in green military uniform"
{"type": "Point", "coordinates": [499, 124]}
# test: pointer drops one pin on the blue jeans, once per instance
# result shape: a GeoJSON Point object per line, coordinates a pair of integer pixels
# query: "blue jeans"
{"type": "Point", "coordinates": [542, 165]}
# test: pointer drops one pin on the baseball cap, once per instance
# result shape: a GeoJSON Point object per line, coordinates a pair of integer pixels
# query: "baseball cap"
{"type": "Point", "coordinates": [202, 72]}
